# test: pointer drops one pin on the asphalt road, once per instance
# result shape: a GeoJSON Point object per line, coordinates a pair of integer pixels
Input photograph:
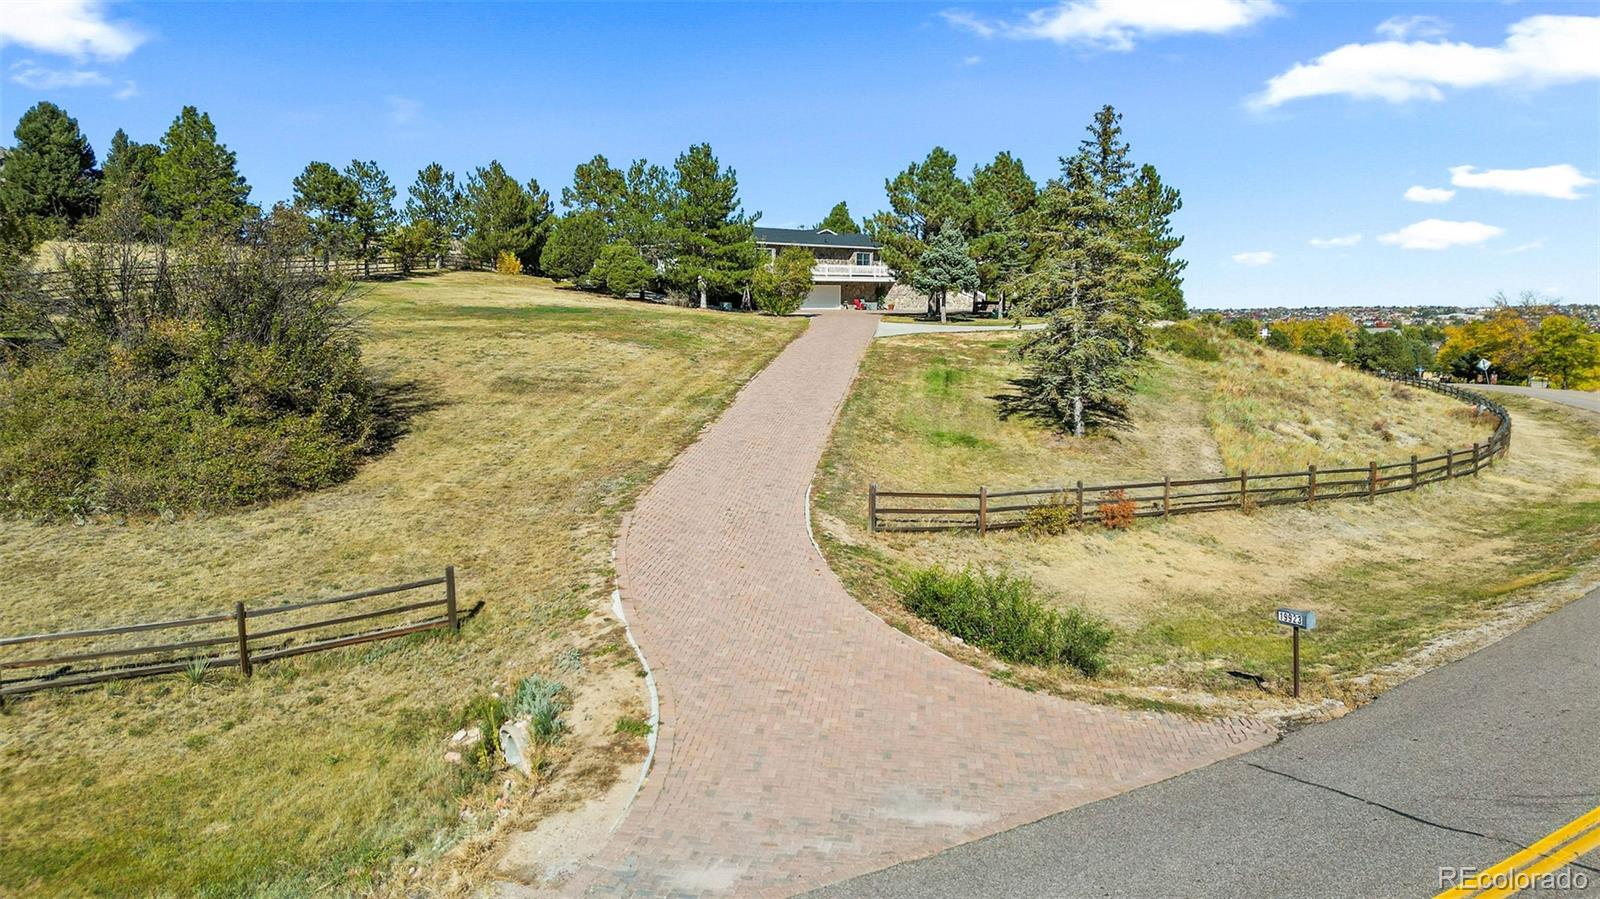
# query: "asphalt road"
{"type": "Point", "coordinates": [1462, 766]}
{"type": "Point", "coordinates": [1582, 399]}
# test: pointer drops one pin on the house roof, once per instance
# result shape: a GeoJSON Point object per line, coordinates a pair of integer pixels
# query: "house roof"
{"type": "Point", "coordinates": [810, 237]}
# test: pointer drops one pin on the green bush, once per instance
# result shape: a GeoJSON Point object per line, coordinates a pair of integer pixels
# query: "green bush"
{"type": "Point", "coordinates": [1189, 338]}
{"type": "Point", "coordinates": [542, 702]}
{"type": "Point", "coordinates": [1004, 614]}
{"type": "Point", "coordinates": [1050, 520]}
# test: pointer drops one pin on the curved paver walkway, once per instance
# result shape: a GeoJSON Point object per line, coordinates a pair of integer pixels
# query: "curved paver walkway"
{"type": "Point", "coordinates": [802, 740]}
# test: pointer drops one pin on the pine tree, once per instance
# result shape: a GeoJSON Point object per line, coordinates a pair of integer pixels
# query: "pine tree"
{"type": "Point", "coordinates": [921, 199]}
{"type": "Point", "coordinates": [1148, 205]}
{"type": "Point", "coordinates": [712, 240]}
{"type": "Point", "coordinates": [641, 219]}
{"type": "Point", "coordinates": [130, 169]}
{"type": "Point", "coordinates": [597, 187]}
{"type": "Point", "coordinates": [373, 216]}
{"type": "Point", "coordinates": [1105, 153]}
{"type": "Point", "coordinates": [502, 217]}
{"type": "Point", "coordinates": [574, 245]}
{"type": "Point", "coordinates": [328, 198]}
{"type": "Point", "coordinates": [49, 181]}
{"type": "Point", "coordinates": [1003, 195]}
{"type": "Point", "coordinates": [1089, 281]}
{"type": "Point", "coordinates": [839, 220]}
{"type": "Point", "coordinates": [197, 181]}
{"type": "Point", "coordinates": [945, 266]}
{"type": "Point", "coordinates": [620, 270]}
{"type": "Point", "coordinates": [434, 198]}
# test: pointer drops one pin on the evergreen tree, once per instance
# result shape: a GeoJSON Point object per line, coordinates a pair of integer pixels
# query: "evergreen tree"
{"type": "Point", "coordinates": [597, 187]}
{"type": "Point", "coordinates": [197, 181]}
{"type": "Point", "coordinates": [328, 198]}
{"type": "Point", "coordinates": [1105, 153]}
{"type": "Point", "coordinates": [373, 216]}
{"type": "Point", "coordinates": [1148, 205]}
{"type": "Point", "coordinates": [921, 199]}
{"type": "Point", "coordinates": [1089, 281]}
{"type": "Point", "coordinates": [130, 168]}
{"type": "Point", "coordinates": [503, 217]}
{"type": "Point", "coordinates": [620, 270]}
{"type": "Point", "coordinates": [945, 266]}
{"type": "Point", "coordinates": [1003, 195]}
{"type": "Point", "coordinates": [641, 217]}
{"type": "Point", "coordinates": [839, 220]}
{"type": "Point", "coordinates": [574, 246]}
{"type": "Point", "coordinates": [48, 180]}
{"type": "Point", "coordinates": [712, 240]}
{"type": "Point", "coordinates": [781, 287]}
{"type": "Point", "coordinates": [434, 198]}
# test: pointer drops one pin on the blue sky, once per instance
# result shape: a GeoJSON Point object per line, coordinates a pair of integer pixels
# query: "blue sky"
{"type": "Point", "coordinates": [817, 103]}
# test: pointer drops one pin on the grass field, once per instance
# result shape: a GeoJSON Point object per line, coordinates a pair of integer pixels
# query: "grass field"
{"type": "Point", "coordinates": [537, 416]}
{"type": "Point", "coordinates": [1192, 597]}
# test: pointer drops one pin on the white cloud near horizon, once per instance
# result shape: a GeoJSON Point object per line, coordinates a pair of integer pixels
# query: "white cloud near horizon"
{"type": "Point", "coordinates": [403, 110]}
{"type": "Point", "coordinates": [30, 74]}
{"type": "Point", "coordinates": [1255, 258]}
{"type": "Point", "coordinates": [75, 28]}
{"type": "Point", "coordinates": [1439, 234]}
{"type": "Point", "coordinates": [1538, 51]}
{"type": "Point", "coordinates": [1117, 24]}
{"type": "Point", "coordinates": [1416, 193]}
{"type": "Point", "coordinates": [1323, 243]}
{"type": "Point", "coordinates": [1398, 28]}
{"type": "Point", "coordinates": [1559, 182]}
{"type": "Point", "coordinates": [1524, 247]}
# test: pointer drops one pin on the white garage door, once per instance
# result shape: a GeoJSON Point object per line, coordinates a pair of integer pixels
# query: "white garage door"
{"type": "Point", "coordinates": [822, 296]}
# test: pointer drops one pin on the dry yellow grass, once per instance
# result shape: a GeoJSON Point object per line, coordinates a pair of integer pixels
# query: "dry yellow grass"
{"type": "Point", "coordinates": [543, 414]}
{"type": "Point", "coordinates": [1192, 597]}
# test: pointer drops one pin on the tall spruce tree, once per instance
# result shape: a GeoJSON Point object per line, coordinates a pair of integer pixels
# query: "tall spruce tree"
{"type": "Point", "coordinates": [1105, 154]}
{"type": "Point", "coordinates": [373, 216]}
{"type": "Point", "coordinates": [434, 198]}
{"type": "Point", "coordinates": [48, 180]}
{"type": "Point", "coordinates": [921, 199]}
{"type": "Point", "coordinates": [712, 240]}
{"type": "Point", "coordinates": [197, 180]}
{"type": "Point", "coordinates": [1148, 205]}
{"type": "Point", "coordinates": [839, 220]}
{"type": "Point", "coordinates": [945, 266]}
{"type": "Point", "coordinates": [1089, 281]}
{"type": "Point", "coordinates": [129, 168]}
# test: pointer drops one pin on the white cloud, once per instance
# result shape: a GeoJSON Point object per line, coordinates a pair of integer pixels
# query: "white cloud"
{"type": "Point", "coordinates": [30, 74]}
{"type": "Point", "coordinates": [1524, 247]}
{"type": "Point", "coordinates": [1398, 28]}
{"type": "Point", "coordinates": [1416, 193]}
{"type": "Point", "coordinates": [1438, 234]}
{"type": "Point", "coordinates": [1538, 51]}
{"type": "Point", "coordinates": [403, 110]}
{"type": "Point", "coordinates": [1119, 24]}
{"type": "Point", "coordinates": [1254, 258]}
{"type": "Point", "coordinates": [127, 91]}
{"type": "Point", "coordinates": [1560, 182]}
{"type": "Point", "coordinates": [971, 60]}
{"type": "Point", "coordinates": [1323, 243]}
{"type": "Point", "coordinates": [75, 28]}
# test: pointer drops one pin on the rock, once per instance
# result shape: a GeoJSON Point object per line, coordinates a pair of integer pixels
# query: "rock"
{"type": "Point", "coordinates": [453, 757]}
{"type": "Point", "coordinates": [517, 746]}
{"type": "Point", "coordinates": [466, 736]}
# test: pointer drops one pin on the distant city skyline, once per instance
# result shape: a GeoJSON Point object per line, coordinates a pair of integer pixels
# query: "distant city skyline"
{"type": "Point", "coordinates": [1328, 154]}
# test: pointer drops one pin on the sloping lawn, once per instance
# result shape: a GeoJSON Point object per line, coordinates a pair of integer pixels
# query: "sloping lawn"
{"type": "Point", "coordinates": [535, 418]}
{"type": "Point", "coordinates": [1192, 597]}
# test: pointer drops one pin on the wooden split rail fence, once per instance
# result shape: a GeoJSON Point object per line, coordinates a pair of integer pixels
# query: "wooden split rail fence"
{"type": "Point", "coordinates": [988, 510]}
{"type": "Point", "coordinates": [244, 647]}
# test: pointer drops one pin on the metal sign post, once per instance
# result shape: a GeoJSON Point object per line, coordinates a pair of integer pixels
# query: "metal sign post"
{"type": "Point", "coordinates": [1298, 620]}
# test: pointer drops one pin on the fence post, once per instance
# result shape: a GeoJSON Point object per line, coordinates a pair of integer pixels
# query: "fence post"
{"type": "Point", "coordinates": [1166, 496]}
{"type": "Point", "coordinates": [872, 507]}
{"type": "Point", "coordinates": [1244, 487]}
{"type": "Point", "coordinates": [450, 597]}
{"type": "Point", "coordinates": [1372, 479]}
{"type": "Point", "coordinates": [1311, 483]}
{"type": "Point", "coordinates": [1449, 464]}
{"type": "Point", "coordinates": [1413, 471]}
{"type": "Point", "coordinates": [1474, 458]}
{"type": "Point", "coordinates": [983, 511]}
{"type": "Point", "coordinates": [1080, 504]}
{"type": "Point", "coordinates": [244, 640]}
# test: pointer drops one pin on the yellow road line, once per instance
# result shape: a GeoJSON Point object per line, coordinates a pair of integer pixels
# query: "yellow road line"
{"type": "Point", "coordinates": [1561, 846]}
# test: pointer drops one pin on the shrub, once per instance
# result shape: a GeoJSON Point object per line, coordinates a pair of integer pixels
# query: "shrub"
{"type": "Point", "coordinates": [1189, 339]}
{"type": "Point", "coordinates": [507, 263]}
{"type": "Point", "coordinates": [1004, 614]}
{"type": "Point", "coordinates": [1050, 520]}
{"type": "Point", "coordinates": [542, 702]}
{"type": "Point", "coordinates": [1116, 510]}
{"type": "Point", "coordinates": [620, 270]}
{"type": "Point", "coordinates": [781, 287]}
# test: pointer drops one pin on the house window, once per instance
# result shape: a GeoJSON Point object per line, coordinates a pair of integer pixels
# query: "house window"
{"type": "Point", "coordinates": [863, 259]}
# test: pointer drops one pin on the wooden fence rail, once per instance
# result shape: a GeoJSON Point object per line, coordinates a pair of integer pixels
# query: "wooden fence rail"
{"type": "Point", "coordinates": [65, 669]}
{"type": "Point", "coordinates": [987, 510]}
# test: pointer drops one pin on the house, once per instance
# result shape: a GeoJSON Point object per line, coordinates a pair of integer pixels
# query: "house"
{"type": "Point", "coordinates": [848, 266]}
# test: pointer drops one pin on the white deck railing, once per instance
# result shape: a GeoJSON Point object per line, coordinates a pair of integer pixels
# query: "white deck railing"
{"type": "Point", "coordinates": [843, 271]}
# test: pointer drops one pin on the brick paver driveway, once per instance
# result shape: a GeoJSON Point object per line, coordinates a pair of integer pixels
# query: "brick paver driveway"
{"type": "Point", "coordinates": [803, 740]}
